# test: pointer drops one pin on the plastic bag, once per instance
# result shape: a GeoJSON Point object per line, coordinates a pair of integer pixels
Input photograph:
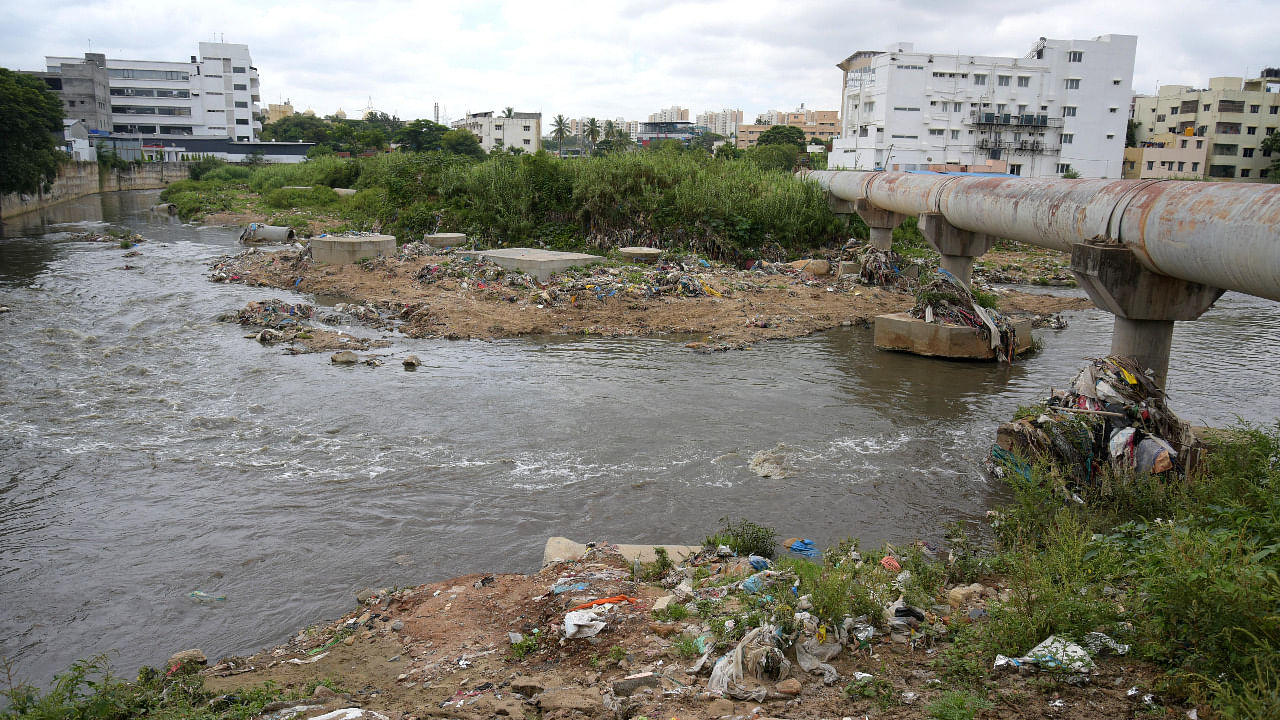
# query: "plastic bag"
{"type": "Point", "coordinates": [757, 657]}
{"type": "Point", "coordinates": [582, 624]}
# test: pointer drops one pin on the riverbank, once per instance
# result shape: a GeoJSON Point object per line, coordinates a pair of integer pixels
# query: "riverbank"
{"type": "Point", "coordinates": [428, 293]}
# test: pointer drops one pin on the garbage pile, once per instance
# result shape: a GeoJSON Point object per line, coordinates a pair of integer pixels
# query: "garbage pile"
{"type": "Point", "coordinates": [944, 299]}
{"type": "Point", "coordinates": [886, 268]}
{"type": "Point", "coordinates": [1113, 413]}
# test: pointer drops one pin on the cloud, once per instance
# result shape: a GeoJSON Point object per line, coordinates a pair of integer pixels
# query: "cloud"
{"type": "Point", "coordinates": [614, 59]}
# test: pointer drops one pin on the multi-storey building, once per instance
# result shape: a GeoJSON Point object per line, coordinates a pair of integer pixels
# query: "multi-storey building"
{"type": "Point", "coordinates": [1060, 108]}
{"type": "Point", "coordinates": [1229, 119]}
{"type": "Point", "coordinates": [1166, 156]}
{"type": "Point", "coordinates": [83, 87]}
{"type": "Point", "coordinates": [216, 95]}
{"type": "Point", "coordinates": [279, 111]}
{"type": "Point", "coordinates": [724, 123]}
{"type": "Point", "coordinates": [818, 125]}
{"type": "Point", "coordinates": [521, 131]}
{"type": "Point", "coordinates": [675, 113]}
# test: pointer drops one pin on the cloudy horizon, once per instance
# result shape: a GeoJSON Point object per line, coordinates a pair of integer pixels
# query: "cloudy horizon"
{"type": "Point", "coordinates": [625, 60]}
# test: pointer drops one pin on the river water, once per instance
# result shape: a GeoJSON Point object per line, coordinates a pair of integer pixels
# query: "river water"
{"type": "Point", "coordinates": [148, 451]}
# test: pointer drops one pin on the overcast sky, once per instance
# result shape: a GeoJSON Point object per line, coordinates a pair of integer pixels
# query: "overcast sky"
{"type": "Point", "coordinates": [622, 58]}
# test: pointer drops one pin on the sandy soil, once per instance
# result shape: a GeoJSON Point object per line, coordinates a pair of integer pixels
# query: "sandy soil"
{"type": "Point", "coordinates": [451, 297]}
{"type": "Point", "coordinates": [444, 650]}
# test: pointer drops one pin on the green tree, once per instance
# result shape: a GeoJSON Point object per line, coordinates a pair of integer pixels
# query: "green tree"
{"type": "Point", "coordinates": [775, 156]}
{"type": "Point", "coordinates": [1131, 134]}
{"type": "Point", "coordinates": [462, 142]}
{"type": "Point", "coordinates": [782, 135]}
{"type": "Point", "coordinates": [560, 130]}
{"type": "Point", "coordinates": [421, 135]}
{"type": "Point", "coordinates": [707, 141]}
{"type": "Point", "coordinates": [30, 121]}
{"type": "Point", "coordinates": [1271, 146]}
{"type": "Point", "coordinates": [372, 138]}
{"type": "Point", "coordinates": [297, 128]}
{"type": "Point", "coordinates": [388, 124]}
{"type": "Point", "coordinates": [593, 131]}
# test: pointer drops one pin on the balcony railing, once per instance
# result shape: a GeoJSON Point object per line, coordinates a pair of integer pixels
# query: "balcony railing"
{"type": "Point", "coordinates": [1013, 119]}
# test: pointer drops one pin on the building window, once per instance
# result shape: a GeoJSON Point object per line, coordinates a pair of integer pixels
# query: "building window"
{"type": "Point", "coordinates": [1199, 144]}
{"type": "Point", "coordinates": [1015, 170]}
{"type": "Point", "coordinates": [242, 138]}
{"type": "Point", "coordinates": [1115, 82]}
{"type": "Point", "coordinates": [1207, 106]}
{"type": "Point", "coordinates": [1066, 168]}
{"type": "Point", "coordinates": [1253, 131]}
{"type": "Point", "coordinates": [1111, 136]}
{"type": "Point", "coordinates": [1274, 108]}
{"type": "Point", "coordinates": [1068, 111]}
{"type": "Point", "coordinates": [1151, 164]}
{"type": "Point", "coordinates": [237, 69]}
{"type": "Point", "coordinates": [1195, 167]}
{"type": "Point", "coordinates": [1000, 108]}
{"type": "Point", "coordinates": [1114, 109]}
{"type": "Point", "coordinates": [1003, 80]}
{"type": "Point", "coordinates": [1075, 56]}
{"type": "Point", "coordinates": [238, 86]}
{"type": "Point", "coordinates": [1262, 173]}
{"type": "Point", "coordinates": [1247, 152]}
{"type": "Point", "coordinates": [1181, 165]}
{"type": "Point", "coordinates": [979, 79]}
{"type": "Point", "coordinates": [1244, 172]}
{"type": "Point", "coordinates": [955, 134]}
{"type": "Point", "coordinates": [242, 104]}
{"type": "Point", "coordinates": [937, 133]}
{"type": "Point", "coordinates": [869, 106]}
{"type": "Point", "coordinates": [1024, 81]}
{"type": "Point", "coordinates": [526, 141]}
{"type": "Point", "coordinates": [241, 121]}
{"type": "Point", "coordinates": [957, 107]}
{"type": "Point", "coordinates": [1073, 83]}
{"type": "Point", "coordinates": [1068, 138]}
{"type": "Point", "coordinates": [527, 128]}
{"type": "Point", "coordinates": [1254, 108]}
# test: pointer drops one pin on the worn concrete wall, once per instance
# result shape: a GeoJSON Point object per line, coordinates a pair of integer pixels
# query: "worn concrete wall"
{"type": "Point", "coordinates": [80, 179]}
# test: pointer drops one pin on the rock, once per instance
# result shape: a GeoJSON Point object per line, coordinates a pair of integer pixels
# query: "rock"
{"type": "Point", "coordinates": [720, 707]}
{"type": "Point", "coordinates": [813, 267]}
{"type": "Point", "coordinates": [412, 362]}
{"type": "Point", "coordinates": [323, 693]}
{"type": "Point", "coordinates": [397, 625]}
{"type": "Point", "coordinates": [662, 602]}
{"type": "Point", "coordinates": [664, 629]}
{"type": "Point", "coordinates": [349, 640]}
{"type": "Point", "coordinates": [631, 683]}
{"type": "Point", "coordinates": [526, 686]}
{"type": "Point", "coordinates": [977, 614]}
{"type": "Point", "coordinates": [585, 701]}
{"type": "Point", "coordinates": [344, 357]}
{"type": "Point", "coordinates": [185, 657]}
{"type": "Point", "coordinates": [790, 686]}
{"type": "Point", "coordinates": [965, 595]}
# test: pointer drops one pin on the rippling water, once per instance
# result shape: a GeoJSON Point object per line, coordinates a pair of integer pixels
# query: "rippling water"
{"type": "Point", "coordinates": [147, 451]}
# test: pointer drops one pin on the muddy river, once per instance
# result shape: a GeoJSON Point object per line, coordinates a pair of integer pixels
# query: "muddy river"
{"type": "Point", "coordinates": [148, 451]}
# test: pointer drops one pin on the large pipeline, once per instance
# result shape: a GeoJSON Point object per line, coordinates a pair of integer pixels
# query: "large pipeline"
{"type": "Point", "coordinates": [1226, 235]}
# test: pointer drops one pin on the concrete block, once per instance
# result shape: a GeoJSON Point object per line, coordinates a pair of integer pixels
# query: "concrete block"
{"type": "Point", "coordinates": [348, 249]}
{"type": "Point", "coordinates": [538, 263]}
{"type": "Point", "coordinates": [900, 331]}
{"type": "Point", "coordinates": [562, 548]}
{"type": "Point", "coordinates": [442, 240]}
{"type": "Point", "coordinates": [628, 685]}
{"type": "Point", "coordinates": [345, 192]}
{"type": "Point", "coordinates": [643, 254]}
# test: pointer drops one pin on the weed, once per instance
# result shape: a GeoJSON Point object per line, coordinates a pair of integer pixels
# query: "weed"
{"type": "Point", "coordinates": [745, 538]}
{"type": "Point", "coordinates": [527, 645]}
{"type": "Point", "coordinates": [673, 612]}
{"type": "Point", "coordinates": [957, 705]}
{"type": "Point", "coordinates": [617, 653]}
{"type": "Point", "coordinates": [686, 646]}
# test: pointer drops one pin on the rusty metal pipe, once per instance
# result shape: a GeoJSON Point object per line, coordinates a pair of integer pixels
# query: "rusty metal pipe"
{"type": "Point", "coordinates": [1222, 234]}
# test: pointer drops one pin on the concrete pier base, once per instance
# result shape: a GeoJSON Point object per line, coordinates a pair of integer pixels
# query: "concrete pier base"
{"type": "Point", "coordinates": [443, 240]}
{"type": "Point", "coordinates": [562, 548]}
{"type": "Point", "coordinates": [1145, 303]}
{"type": "Point", "coordinates": [350, 249]}
{"type": "Point", "coordinates": [900, 331]}
{"type": "Point", "coordinates": [538, 263]}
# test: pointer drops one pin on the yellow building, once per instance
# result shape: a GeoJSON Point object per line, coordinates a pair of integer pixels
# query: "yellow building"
{"type": "Point", "coordinates": [818, 125]}
{"type": "Point", "coordinates": [1167, 156]}
{"type": "Point", "coordinates": [278, 112]}
{"type": "Point", "coordinates": [1232, 116]}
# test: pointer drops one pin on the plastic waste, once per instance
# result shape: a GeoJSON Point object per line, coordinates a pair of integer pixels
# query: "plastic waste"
{"type": "Point", "coordinates": [803, 546]}
{"type": "Point", "coordinates": [1054, 653]}
{"type": "Point", "coordinates": [202, 596]}
{"type": "Point", "coordinates": [567, 587]}
{"type": "Point", "coordinates": [756, 658]}
{"type": "Point", "coordinates": [582, 624]}
{"type": "Point", "coordinates": [756, 583]}
{"type": "Point", "coordinates": [759, 563]}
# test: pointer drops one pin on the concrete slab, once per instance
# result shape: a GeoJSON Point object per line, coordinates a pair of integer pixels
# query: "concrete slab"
{"type": "Point", "coordinates": [538, 263]}
{"type": "Point", "coordinates": [349, 249]}
{"type": "Point", "coordinates": [561, 548]}
{"type": "Point", "coordinates": [900, 331]}
{"type": "Point", "coordinates": [443, 240]}
{"type": "Point", "coordinates": [643, 254]}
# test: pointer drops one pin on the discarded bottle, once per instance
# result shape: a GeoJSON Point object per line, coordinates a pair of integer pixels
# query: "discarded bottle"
{"type": "Point", "coordinates": [202, 596]}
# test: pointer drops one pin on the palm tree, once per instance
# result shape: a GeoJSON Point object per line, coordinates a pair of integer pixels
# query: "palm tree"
{"type": "Point", "coordinates": [560, 130]}
{"type": "Point", "coordinates": [609, 128]}
{"type": "Point", "coordinates": [593, 131]}
{"type": "Point", "coordinates": [508, 112]}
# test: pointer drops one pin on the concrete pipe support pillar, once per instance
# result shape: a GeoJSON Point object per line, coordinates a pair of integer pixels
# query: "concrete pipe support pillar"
{"type": "Point", "coordinates": [880, 221]}
{"type": "Point", "coordinates": [958, 247]}
{"type": "Point", "coordinates": [1145, 303]}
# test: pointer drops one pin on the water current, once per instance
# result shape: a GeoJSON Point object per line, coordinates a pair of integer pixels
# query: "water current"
{"type": "Point", "coordinates": [148, 451]}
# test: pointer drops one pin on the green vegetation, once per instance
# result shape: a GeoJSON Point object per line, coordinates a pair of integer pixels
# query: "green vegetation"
{"type": "Point", "coordinates": [957, 705]}
{"type": "Point", "coordinates": [528, 645]}
{"type": "Point", "coordinates": [745, 538]}
{"type": "Point", "coordinates": [88, 691]}
{"type": "Point", "coordinates": [30, 118]}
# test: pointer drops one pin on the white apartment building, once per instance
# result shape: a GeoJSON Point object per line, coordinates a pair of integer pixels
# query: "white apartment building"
{"type": "Point", "coordinates": [215, 95]}
{"type": "Point", "coordinates": [521, 130]}
{"type": "Point", "coordinates": [675, 113]}
{"type": "Point", "coordinates": [724, 123]}
{"type": "Point", "coordinates": [1064, 106]}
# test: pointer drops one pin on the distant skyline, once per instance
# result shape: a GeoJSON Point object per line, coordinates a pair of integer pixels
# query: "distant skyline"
{"type": "Point", "coordinates": [626, 58]}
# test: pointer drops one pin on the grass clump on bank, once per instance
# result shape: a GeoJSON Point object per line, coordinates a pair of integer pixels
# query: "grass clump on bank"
{"type": "Point", "coordinates": [88, 691]}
